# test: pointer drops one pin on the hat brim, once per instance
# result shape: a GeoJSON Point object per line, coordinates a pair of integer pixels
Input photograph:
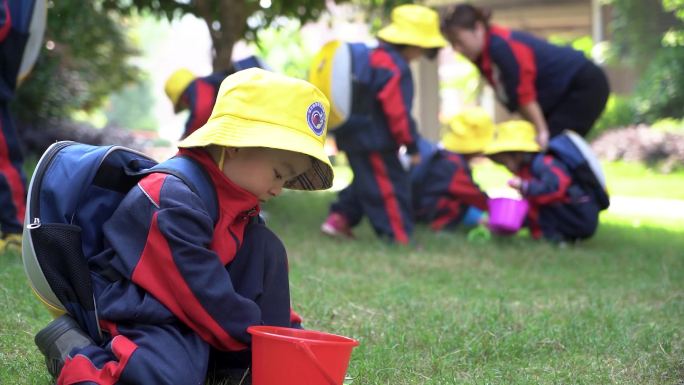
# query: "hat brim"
{"type": "Point", "coordinates": [232, 131]}
{"type": "Point", "coordinates": [454, 144]}
{"type": "Point", "coordinates": [392, 34]}
{"type": "Point", "coordinates": [509, 146]}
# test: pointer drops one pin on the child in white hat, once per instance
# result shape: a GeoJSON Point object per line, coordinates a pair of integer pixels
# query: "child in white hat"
{"type": "Point", "coordinates": [177, 290]}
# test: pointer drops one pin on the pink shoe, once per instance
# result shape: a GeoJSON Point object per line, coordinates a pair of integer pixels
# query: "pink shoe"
{"type": "Point", "coordinates": [337, 226]}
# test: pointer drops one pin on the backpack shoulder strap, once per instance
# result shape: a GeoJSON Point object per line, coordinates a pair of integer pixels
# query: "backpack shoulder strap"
{"type": "Point", "coordinates": [194, 176]}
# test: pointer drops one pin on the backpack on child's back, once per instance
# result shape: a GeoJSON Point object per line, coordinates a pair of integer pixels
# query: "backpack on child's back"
{"type": "Point", "coordinates": [583, 164]}
{"type": "Point", "coordinates": [74, 190]}
{"type": "Point", "coordinates": [342, 71]}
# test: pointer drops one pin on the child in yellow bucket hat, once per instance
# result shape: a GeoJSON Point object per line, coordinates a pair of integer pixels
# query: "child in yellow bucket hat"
{"type": "Point", "coordinates": [380, 189]}
{"type": "Point", "coordinates": [444, 193]}
{"type": "Point", "coordinates": [176, 287]}
{"type": "Point", "coordinates": [561, 209]}
{"type": "Point", "coordinates": [197, 94]}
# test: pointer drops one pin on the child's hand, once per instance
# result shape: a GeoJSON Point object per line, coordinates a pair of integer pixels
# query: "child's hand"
{"type": "Point", "coordinates": [543, 139]}
{"type": "Point", "coordinates": [415, 159]}
{"type": "Point", "coordinates": [515, 183]}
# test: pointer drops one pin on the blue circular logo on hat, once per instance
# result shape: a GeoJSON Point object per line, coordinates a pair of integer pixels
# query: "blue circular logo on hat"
{"type": "Point", "coordinates": [315, 117]}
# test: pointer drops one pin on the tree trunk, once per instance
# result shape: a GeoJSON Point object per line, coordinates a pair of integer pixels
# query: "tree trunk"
{"type": "Point", "coordinates": [226, 21]}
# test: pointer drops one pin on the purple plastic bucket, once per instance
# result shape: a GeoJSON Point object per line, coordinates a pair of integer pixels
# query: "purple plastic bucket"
{"type": "Point", "coordinates": [506, 215]}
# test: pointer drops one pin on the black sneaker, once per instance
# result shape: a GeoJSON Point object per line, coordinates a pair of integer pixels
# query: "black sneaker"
{"type": "Point", "coordinates": [58, 339]}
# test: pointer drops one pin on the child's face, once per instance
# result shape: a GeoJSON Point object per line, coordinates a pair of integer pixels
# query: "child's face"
{"type": "Point", "coordinates": [509, 160]}
{"type": "Point", "coordinates": [411, 53]}
{"type": "Point", "coordinates": [263, 171]}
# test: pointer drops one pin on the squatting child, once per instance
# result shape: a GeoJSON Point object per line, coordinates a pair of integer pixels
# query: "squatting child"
{"type": "Point", "coordinates": [176, 291]}
{"type": "Point", "coordinates": [561, 209]}
{"type": "Point", "coordinates": [443, 191]}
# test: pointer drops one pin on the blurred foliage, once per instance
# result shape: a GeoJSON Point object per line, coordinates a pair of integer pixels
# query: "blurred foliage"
{"type": "Point", "coordinates": [284, 50]}
{"type": "Point", "coordinates": [87, 54]}
{"type": "Point", "coordinates": [85, 58]}
{"type": "Point", "coordinates": [282, 45]}
{"type": "Point", "coordinates": [130, 107]}
{"type": "Point", "coordinates": [660, 91]}
{"type": "Point", "coordinates": [583, 44]}
{"type": "Point", "coordinates": [638, 27]}
{"type": "Point", "coordinates": [669, 125]}
{"type": "Point", "coordinates": [649, 36]}
{"type": "Point", "coordinates": [231, 20]}
{"type": "Point", "coordinates": [619, 112]}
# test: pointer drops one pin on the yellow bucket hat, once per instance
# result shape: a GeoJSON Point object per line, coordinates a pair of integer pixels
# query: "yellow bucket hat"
{"type": "Point", "coordinates": [513, 135]}
{"type": "Point", "coordinates": [177, 83]}
{"type": "Point", "coordinates": [469, 131]}
{"type": "Point", "coordinates": [413, 25]}
{"type": "Point", "coordinates": [258, 108]}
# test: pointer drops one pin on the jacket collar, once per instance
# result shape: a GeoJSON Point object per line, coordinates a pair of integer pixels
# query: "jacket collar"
{"type": "Point", "coordinates": [233, 200]}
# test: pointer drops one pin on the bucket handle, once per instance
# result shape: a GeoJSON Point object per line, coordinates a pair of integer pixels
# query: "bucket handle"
{"type": "Point", "coordinates": [307, 350]}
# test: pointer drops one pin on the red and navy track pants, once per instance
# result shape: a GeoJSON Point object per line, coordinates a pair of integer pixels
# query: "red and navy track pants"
{"type": "Point", "coordinates": [380, 190]}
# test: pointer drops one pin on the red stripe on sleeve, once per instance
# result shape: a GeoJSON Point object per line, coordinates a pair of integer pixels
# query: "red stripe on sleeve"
{"type": "Point", "coordinates": [294, 317]}
{"type": "Point", "coordinates": [157, 273]}
{"type": "Point", "coordinates": [464, 189]}
{"type": "Point", "coordinates": [527, 91]}
{"type": "Point", "coordinates": [558, 195]}
{"type": "Point", "coordinates": [391, 99]}
{"type": "Point", "coordinates": [4, 29]}
{"type": "Point", "coordinates": [151, 186]}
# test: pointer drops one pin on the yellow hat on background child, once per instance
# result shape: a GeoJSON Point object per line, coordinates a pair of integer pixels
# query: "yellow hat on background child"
{"type": "Point", "coordinates": [177, 83]}
{"type": "Point", "coordinates": [258, 108]}
{"type": "Point", "coordinates": [413, 25]}
{"type": "Point", "coordinates": [469, 131]}
{"type": "Point", "coordinates": [513, 135]}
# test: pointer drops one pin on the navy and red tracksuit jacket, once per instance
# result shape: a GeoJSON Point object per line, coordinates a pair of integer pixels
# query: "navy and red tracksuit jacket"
{"type": "Point", "coordinates": [166, 281]}
{"type": "Point", "coordinates": [443, 188]}
{"type": "Point", "coordinates": [381, 187]}
{"type": "Point", "coordinates": [560, 208]}
{"type": "Point", "coordinates": [200, 96]}
{"type": "Point", "coordinates": [14, 25]}
{"type": "Point", "coordinates": [391, 125]}
{"type": "Point", "coordinates": [523, 68]}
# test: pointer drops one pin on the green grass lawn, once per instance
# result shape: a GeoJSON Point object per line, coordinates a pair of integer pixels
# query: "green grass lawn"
{"type": "Point", "coordinates": [448, 311]}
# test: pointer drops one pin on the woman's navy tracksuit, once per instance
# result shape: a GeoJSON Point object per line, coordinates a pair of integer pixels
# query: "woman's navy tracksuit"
{"type": "Point", "coordinates": [571, 90]}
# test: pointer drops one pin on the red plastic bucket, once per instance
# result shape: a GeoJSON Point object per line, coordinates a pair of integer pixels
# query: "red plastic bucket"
{"type": "Point", "coordinates": [286, 356]}
{"type": "Point", "coordinates": [506, 215]}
